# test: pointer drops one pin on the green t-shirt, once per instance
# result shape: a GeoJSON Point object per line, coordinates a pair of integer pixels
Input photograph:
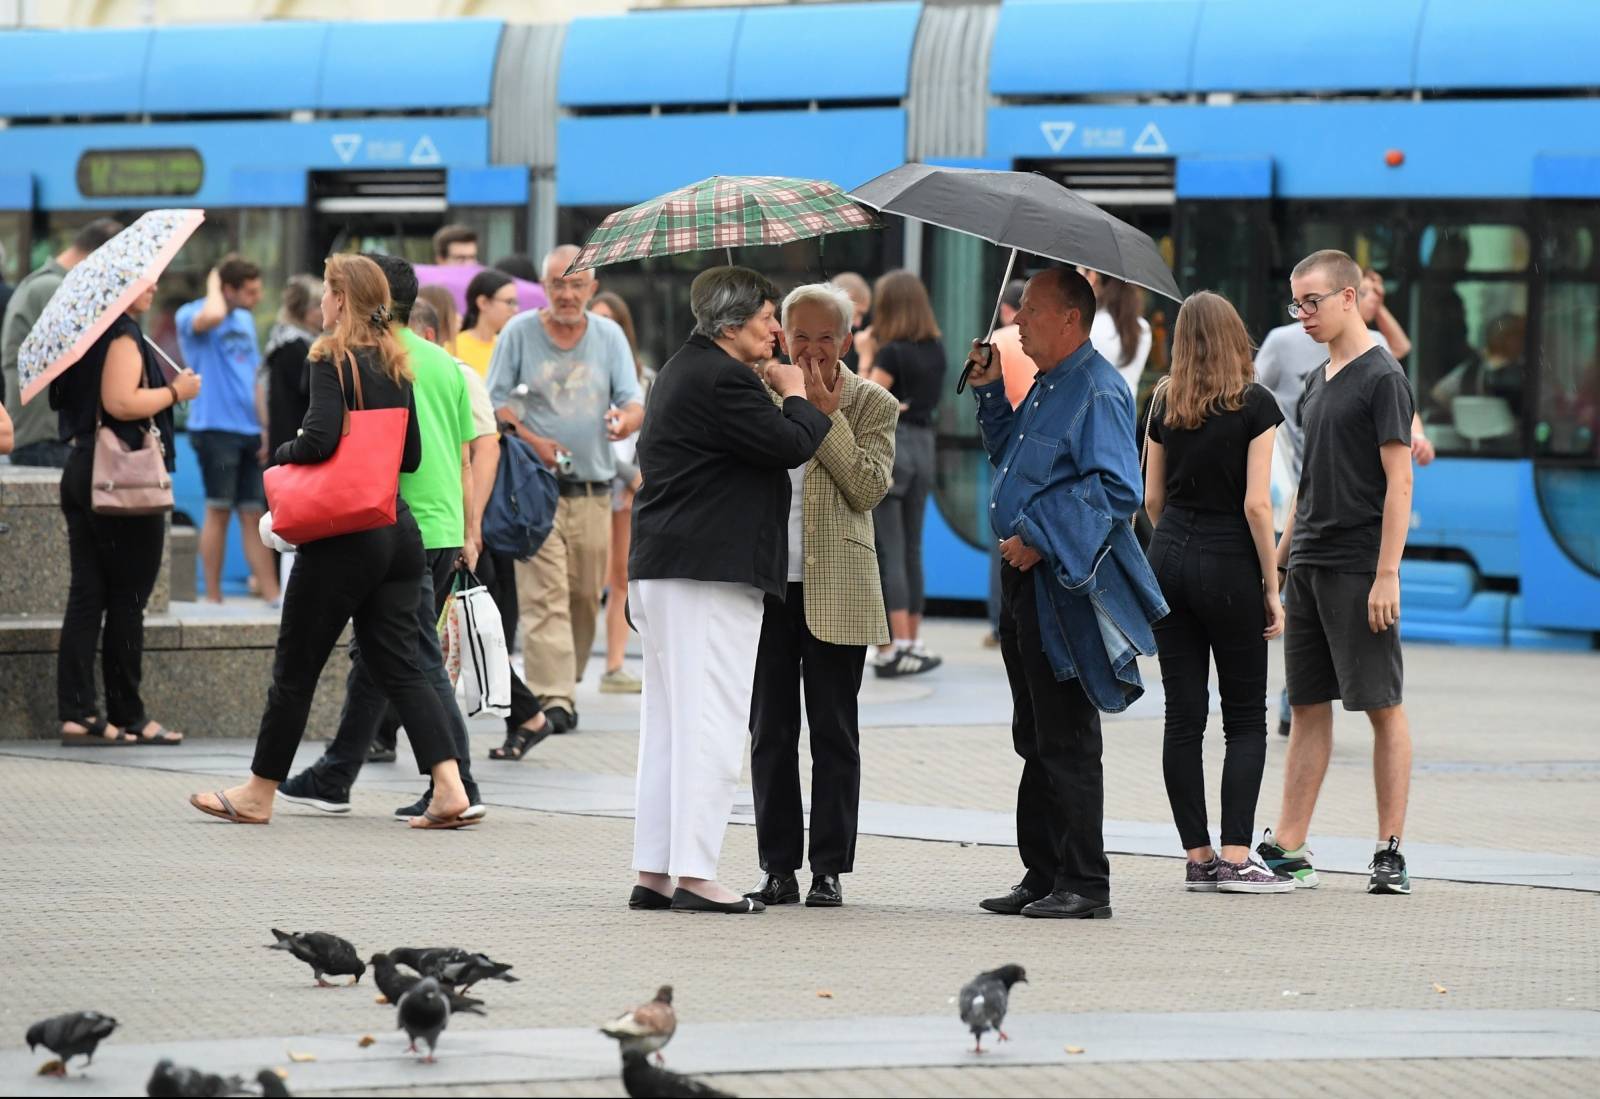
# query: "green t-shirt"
{"type": "Point", "coordinates": [444, 418]}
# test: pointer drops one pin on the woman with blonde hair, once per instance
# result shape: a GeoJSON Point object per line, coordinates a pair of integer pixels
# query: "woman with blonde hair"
{"type": "Point", "coordinates": [1208, 492]}
{"type": "Point", "coordinates": [370, 577]}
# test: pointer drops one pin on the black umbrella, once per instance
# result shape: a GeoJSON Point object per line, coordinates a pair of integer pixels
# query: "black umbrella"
{"type": "Point", "coordinates": [1023, 211]}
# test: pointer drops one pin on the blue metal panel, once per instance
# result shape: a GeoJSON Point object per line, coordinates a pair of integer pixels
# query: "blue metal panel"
{"type": "Point", "coordinates": [825, 51]}
{"type": "Point", "coordinates": [1084, 47]}
{"type": "Point", "coordinates": [953, 567]}
{"type": "Point", "coordinates": [98, 72]}
{"type": "Point", "coordinates": [1224, 177]}
{"type": "Point", "coordinates": [1271, 46]}
{"type": "Point", "coordinates": [1495, 44]}
{"type": "Point", "coordinates": [500, 185]}
{"type": "Point", "coordinates": [377, 66]}
{"type": "Point", "coordinates": [1556, 591]}
{"type": "Point", "coordinates": [16, 191]}
{"type": "Point", "coordinates": [848, 147]}
{"type": "Point", "coordinates": [268, 186]}
{"type": "Point", "coordinates": [1469, 504]}
{"type": "Point", "coordinates": [650, 57]}
{"type": "Point", "coordinates": [234, 69]}
{"type": "Point", "coordinates": [1575, 175]}
{"type": "Point", "coordinates": [1322, 149]}
{"type": "Point", "coordinates": [51, 153]}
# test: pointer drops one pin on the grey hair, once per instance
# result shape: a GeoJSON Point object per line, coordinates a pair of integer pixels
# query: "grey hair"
{"type": "Point", "coordinates": [823, 293]}
{"type": "Point", "coordinates": [563, 254]}
{"type": "Point", "coordinates": [299, 295]}
{"type": "Point", "coordinates": [727, 297]}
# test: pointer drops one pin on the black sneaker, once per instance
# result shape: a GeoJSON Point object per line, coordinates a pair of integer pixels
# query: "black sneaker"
{"type": "Point", "coordinates": [311, 788]}
{"type": "Point", "coordinates": [1389, 870]}
{"type": "Point", "coordinates": [905, 662]}
{"type": "Point", "coordinates": [1280, 861]}
{"type": "Point", "coordinates": [561, 720]}
{"type": "Point", "coordinates": [404, 814]}
{"type": "Point", "coordinates": [381, 753]}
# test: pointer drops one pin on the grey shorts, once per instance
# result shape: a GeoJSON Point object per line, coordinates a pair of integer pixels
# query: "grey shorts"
{"type": "Point", "coordinates": [1329, 651]}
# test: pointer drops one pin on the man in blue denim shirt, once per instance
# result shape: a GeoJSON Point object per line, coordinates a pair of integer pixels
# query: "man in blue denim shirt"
{"type": "Point", "coordinates": [1077, 598]}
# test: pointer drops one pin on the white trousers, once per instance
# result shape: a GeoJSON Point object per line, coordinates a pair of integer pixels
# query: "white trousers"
{"type": "Point", "coordinates": [700, 640]}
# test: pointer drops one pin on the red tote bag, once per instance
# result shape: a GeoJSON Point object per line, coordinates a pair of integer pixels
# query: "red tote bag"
{"type": "Point", "coordinates": [355, 489]}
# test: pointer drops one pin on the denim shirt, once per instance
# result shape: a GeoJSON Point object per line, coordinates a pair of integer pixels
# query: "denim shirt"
{"type": "Point", "coordinates": [1067, 480]}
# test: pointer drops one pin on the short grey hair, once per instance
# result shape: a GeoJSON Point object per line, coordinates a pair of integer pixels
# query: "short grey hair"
{"type": "Point", "coordinates": [823, 293]}
{"type": "Point", "coordinates": [727, 297]}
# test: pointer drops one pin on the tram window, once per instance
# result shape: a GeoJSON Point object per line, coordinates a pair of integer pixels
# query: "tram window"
{"type": "Point", "coordinates": [1474, 248]}
{"type": "Point", "coordinates": [1219, 253]}
{"type": "Point", "coordinates": [1365, 237]}
{"type": "Point", "coordinates": [1569, 372]}
{"type": "Point", "coordinates": [1469, 363]}
{"type": "Point", "coordinates": [13, 227]}
{"type": "Point", "coordinates": [1568, 246]}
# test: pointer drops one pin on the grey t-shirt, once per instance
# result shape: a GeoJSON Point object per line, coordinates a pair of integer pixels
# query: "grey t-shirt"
{"type": "Point", "coordinates": [1286, 357]}
{"type": "Point", "coordinates": [569, 392]}
{"type": "Point", "coordinates": [35, 421]}
{"type": "Point", "coordinates": [1338, 522]}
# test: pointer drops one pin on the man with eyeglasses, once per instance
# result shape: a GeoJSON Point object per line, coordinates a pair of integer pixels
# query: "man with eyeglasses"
{"type": "Point", "coordinates": [1341, 552]}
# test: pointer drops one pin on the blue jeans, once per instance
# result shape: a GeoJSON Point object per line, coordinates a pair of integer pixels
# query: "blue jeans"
{"type": "Point", "coordinates": [365, 703]}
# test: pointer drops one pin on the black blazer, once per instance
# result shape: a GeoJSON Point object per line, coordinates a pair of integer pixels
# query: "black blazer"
{"type": "Point", "coordinates": [715, 454]}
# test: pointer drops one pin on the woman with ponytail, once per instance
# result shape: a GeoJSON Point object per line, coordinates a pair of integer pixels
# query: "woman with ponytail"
{"type": "Point", "coordinates": [1120, 332]}
{"type": "Point", "coordinates": [491, 302]}
{"type": "Point", "coordinates": [369, 578]}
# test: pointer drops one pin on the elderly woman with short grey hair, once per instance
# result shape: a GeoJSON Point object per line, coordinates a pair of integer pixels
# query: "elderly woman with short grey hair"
{"type": "Point", "coordinates": [708, 546]}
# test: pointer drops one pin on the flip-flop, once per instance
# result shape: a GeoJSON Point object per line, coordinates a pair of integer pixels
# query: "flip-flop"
{"type": "Point", "coordinates": [227, 812]}
{"type": "Point", "coordinates": [433, 823]}
{"type": "Point", "coordinates": [94, 736]}
{"type": "Point", "coordinates": [163, 738]}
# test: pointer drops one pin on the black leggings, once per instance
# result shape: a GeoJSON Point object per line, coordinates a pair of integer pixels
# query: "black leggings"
{"type": "Point", "coordinates": [371, 578]}
{"type": "Point", "coordinates": [1211, 578]}
{"type": "Point", "coordinates": [115, 561]}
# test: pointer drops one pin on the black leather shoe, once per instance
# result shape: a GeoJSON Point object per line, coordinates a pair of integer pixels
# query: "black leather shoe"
{"type": "Point", "coordinates": [825, 892]}
{"type": "Point", "coordinates": [685, 901]}
{"type": "Point", "coordinates": [1013, 902]}
{"type": "Point", "coordinates": [560, 720]}
{"type": "Point", "coordinates": [776, 889]}
{"type": "Point", "coordinates": [645, 899]}
{"type": "Point", "coordinates": [1062, 905]}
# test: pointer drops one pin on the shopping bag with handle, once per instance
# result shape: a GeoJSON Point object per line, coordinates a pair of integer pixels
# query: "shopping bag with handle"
{"type": "Point", "coordinates": [485, 683]}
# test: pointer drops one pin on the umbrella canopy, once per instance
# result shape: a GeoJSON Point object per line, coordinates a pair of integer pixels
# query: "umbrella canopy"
{"type": "Point", "coordinates": [723, 212]}
{"type": "Point", "coordinates": [1023, 211]}
{"type": "Point", "coordinates": [454, 277]}
{"type": "Point", "coordinates": [99, 290]}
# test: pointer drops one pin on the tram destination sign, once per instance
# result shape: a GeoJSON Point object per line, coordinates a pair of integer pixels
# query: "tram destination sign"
{"type": "Point", "coordinates": [131, 173]}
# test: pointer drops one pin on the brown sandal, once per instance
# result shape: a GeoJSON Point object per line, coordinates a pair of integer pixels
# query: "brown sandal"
{"type": "Point", "coordinates": [227, 812]}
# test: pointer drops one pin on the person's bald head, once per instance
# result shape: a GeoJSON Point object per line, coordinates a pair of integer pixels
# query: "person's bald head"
{"type": "Point", "coordinates": [1056, 314]}
{"type": "Point", "coordinates": [569, 294]}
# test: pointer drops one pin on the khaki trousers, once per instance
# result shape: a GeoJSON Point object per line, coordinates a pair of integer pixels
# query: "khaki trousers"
{"type": "Point", "coordinates": [558, 597]}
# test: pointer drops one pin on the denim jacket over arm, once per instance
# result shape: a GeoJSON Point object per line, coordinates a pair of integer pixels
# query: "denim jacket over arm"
{"type": "Point", "coordinates": [1067, 480]}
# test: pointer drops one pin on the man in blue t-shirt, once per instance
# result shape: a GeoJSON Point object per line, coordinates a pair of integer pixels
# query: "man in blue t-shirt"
{"type": "Point", "coordinates": [218, 337]}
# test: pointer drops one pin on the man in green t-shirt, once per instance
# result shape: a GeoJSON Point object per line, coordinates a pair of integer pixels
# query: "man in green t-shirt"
{"type": "Point", "coordinates": [434, 493]}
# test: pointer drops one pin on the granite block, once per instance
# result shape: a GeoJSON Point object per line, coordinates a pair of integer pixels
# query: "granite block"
{"type": "Point", "coordinates": [183, 547]}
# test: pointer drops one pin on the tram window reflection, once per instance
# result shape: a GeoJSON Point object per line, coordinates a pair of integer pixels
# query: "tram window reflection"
{"type": "Point", "coordinates": [1569, 396]}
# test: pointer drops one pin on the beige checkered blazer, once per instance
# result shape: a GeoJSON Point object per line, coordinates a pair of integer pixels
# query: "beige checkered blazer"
{"type": "Point", "coordinates": [844, 481]}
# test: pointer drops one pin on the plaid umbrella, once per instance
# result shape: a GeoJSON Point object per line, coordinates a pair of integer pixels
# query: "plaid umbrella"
{"type": "Point", "coordinates": [723, 212]}
{"type": "Point", "coordinates": [97, 291]}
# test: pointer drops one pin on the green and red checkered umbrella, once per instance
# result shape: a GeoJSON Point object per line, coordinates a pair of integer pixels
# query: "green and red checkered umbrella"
{"type": "Point", "coordinates": [724, 212]}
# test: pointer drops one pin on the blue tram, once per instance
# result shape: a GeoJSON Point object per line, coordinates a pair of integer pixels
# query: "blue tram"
{"type": "Point", "coordinates": [1450, 146]}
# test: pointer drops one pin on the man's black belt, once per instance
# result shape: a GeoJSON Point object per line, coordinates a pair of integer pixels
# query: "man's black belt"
{"type": "Point", "coordinates": [584, 488]}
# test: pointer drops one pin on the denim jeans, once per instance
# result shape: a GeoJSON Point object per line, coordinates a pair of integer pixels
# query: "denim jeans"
{"type": "Point", "coordinates": [1208, 570]}
{"type": "Point", "coordinates": [365, 703]}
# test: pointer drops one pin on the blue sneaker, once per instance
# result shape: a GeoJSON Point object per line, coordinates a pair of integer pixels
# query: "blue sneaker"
{"type": "Point", "coordinates": [1280, 861]}
{"type": "Point", "coordinates": [1389, 871]}
{"type": "Point", "coordinates": [310, 788]}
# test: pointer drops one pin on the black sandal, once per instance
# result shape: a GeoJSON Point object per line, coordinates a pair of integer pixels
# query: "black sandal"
{"type": "Point", "coordinates": [94, 735]}
{"type": "Point", "coordinates": [519, 742]}
{"type": "Point", "coordinates": [162, 737]}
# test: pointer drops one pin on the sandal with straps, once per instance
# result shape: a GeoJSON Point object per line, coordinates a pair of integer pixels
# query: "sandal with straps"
{"type": "Point", "coordinates": [94, 735]}
{"type": "Point", "coordinates": [152, 733]}
{"type": "Point", "coordinates": [519, 742]}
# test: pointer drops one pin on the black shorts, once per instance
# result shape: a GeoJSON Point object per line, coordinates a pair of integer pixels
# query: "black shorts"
{"type": "Point", "coordinates": [1329, 651]}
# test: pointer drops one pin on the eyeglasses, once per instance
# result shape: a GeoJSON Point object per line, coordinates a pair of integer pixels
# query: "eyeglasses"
{"type": "Point", "coordinates": [506, 301]}
{"type": "Point", "coordinates": [1307, 307]}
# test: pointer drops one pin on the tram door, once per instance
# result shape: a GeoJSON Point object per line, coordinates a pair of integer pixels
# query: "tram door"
{"type": "Point", "coordinates": [394, 212]}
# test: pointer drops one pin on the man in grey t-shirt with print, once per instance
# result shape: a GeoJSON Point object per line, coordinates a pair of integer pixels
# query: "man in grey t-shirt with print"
{"type": "Point", "coordinates": [566, 379]}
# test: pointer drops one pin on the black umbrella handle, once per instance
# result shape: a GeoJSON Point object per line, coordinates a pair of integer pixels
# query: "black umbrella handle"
{"type": "Point", "coordinates": [994, 319]}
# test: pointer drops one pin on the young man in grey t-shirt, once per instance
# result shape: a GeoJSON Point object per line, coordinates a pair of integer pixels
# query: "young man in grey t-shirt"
{"type": "Point", "coordinates": [1342, 552]}
{"type": "Point", "coordinates": [565, 379]}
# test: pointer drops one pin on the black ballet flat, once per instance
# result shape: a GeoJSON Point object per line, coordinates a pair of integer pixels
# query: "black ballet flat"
{"type": "Point", "coordinates": [685, 901]}
{"type": "Point", "coordinates": [645, 899]}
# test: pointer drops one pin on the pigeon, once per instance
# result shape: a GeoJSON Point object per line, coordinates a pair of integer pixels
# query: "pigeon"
{"type": "Point", "coordinates": [645, 1081]}
{"type": "Point", "coordinates": [323, 952]}
{"type": "Point", "coordinates": [272, 1085]}
{"type": "Point", "coordinates": [646, 1028]}
{"type": "Point", "coordinates": [452, 966]}
{"type": "Point", "coordinates": [424, 1013]}
{"type": "Point", "coordinates": [69, 1035]}
{"type": "Point", "coordinates": [181, 1082]}
{"type": "Point", "coordinates": [394, 984]}
{"type": "Point", "coordinates": [983, 1001]}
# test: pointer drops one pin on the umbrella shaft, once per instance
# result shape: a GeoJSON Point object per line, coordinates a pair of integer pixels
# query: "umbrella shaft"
{"type": "Point", "coordinates": [1005, 280]}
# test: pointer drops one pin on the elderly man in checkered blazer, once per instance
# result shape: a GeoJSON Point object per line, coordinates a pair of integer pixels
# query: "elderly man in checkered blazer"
{"type": "Point", "coordinates": [817, 636]}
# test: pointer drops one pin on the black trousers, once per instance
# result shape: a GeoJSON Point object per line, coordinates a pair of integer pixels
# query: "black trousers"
{"type": "Point", "coordinates": [114, 562]}
{"type": "Point", "coordinates": [370, 579]}
{"type": "Point", "coordinates": [1056, 731]}
{"type": "Point", "coordinates": [1211, 578]}
{"type": "Point", "coordinates": [790, 656]}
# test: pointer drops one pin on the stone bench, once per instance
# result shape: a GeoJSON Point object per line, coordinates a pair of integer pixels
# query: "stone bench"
{"type": "Point", "coordinates": [206, 672]}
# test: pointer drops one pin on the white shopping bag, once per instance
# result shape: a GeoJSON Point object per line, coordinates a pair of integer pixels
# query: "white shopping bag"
{"type": "Point", "coordinates": [485, 683]}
